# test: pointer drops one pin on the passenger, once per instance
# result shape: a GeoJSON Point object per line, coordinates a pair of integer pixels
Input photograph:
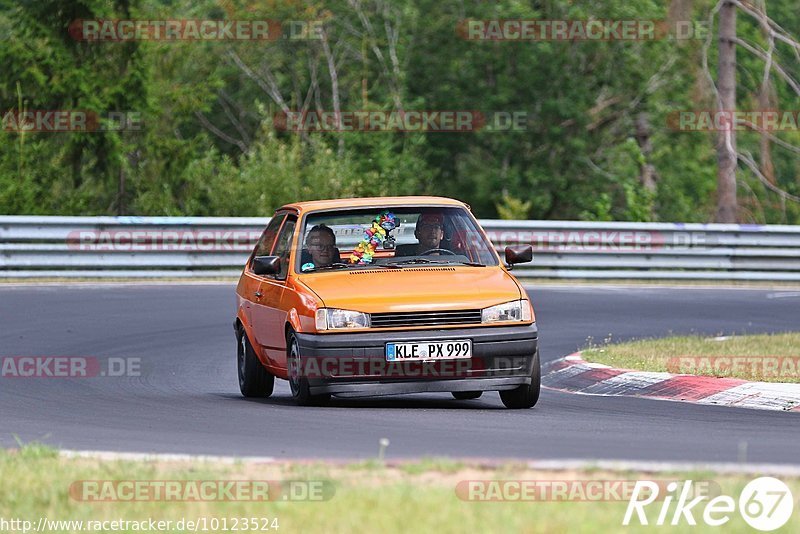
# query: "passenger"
{"type": "Point", "coordinates": [321, 244]}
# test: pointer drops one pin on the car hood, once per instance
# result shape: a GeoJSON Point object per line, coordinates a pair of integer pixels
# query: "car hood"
{"type": "Point", "coordinates": [413, 288]}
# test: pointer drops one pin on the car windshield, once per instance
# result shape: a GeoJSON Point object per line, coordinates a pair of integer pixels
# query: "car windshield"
{"type": "Point", "coordinates": [391, 238]}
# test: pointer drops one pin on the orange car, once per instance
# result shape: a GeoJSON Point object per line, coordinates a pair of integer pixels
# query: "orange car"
{"type": "Point", "coordinates": [381, 296]}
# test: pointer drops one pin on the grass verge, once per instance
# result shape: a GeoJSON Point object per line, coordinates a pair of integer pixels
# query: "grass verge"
{"type": "Point", "coordinates": [767, 358]}
{"type": "Point", "coordinates": [369, 497]}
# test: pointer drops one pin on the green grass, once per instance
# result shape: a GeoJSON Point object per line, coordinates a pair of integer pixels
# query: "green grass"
{"type": "Point", "coordinates": [772, 357]}
{"type": "Point", "coordinates": [369, 497]}
{"type": "Point", "coordinates": [438, 465]}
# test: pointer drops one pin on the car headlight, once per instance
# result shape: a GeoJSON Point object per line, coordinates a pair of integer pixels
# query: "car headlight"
{"type": "Point", "coordinates": [332, 318]}
{"type": "Point", "coordinates": [516, 310]}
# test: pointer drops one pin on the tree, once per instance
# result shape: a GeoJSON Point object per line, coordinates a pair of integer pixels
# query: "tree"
{"type": "Point", "coordinates": [729, 149]}
{"type": "Point", "coordinates": [727, 204]}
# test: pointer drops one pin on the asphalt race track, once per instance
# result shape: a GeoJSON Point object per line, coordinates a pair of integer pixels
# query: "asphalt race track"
{"type": "Point", "coordinates": [187, 400]}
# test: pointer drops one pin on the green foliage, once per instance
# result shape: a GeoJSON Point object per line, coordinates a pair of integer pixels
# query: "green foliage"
{"type": "Point", "coordinates": [512, 208]}
{"type": "Point", "coordinates": [209, 145]}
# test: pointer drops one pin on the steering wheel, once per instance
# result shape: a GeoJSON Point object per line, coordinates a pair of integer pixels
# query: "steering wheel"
{"type": "Point", "coordinates": [440, 250]}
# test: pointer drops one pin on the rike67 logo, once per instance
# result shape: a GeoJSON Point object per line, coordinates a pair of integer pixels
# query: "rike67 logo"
{"type": "Point", "coordinates": [765, 504]}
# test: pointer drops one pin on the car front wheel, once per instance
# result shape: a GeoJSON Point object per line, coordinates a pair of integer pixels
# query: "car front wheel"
{"type": "Point", "coordinates": [526, 395]}
{"type": "Point", "coordinates": [254, 380]}
{"type": "Point", "coordinates": [297, 382]}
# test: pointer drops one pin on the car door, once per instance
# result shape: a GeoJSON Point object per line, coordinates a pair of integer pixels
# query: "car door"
{"type": "Point", "coordinates": [250, 282]}
{"type": "Point", "coordinates": [267, 315]}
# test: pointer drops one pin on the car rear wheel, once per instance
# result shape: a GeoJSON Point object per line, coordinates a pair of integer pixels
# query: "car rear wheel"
{"type": "Point", "coordinates": [297, 382]}
{"type": "Point", "coordinates": [254, 380]}
{"type": "Point", "coordinates": [526, 395]}
{"type": "Point", "coordinates": [467, 395]}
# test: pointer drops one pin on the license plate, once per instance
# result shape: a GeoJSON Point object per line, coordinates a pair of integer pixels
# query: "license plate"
{"type": "Point", "coordinates": [429, 350]}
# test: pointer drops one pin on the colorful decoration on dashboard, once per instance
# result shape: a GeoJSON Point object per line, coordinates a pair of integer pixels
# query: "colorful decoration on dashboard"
{"type": "Point", "coordinates": [376, 234]}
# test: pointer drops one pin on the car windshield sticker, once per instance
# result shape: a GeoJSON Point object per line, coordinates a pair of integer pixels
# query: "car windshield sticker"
{"type": "Point", "coordinates": [376, 234]}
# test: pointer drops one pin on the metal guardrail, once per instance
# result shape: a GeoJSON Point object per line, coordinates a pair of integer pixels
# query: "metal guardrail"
{"type": "Point", "coordinates": [33, 246]}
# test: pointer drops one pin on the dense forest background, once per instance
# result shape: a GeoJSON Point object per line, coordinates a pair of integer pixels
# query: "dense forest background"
{"type": "Point", "coordinates": [597, 144]}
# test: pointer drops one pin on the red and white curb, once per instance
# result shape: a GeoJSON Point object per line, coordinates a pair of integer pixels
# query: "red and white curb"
{"type": "Point", "coordinates": [572, 373]}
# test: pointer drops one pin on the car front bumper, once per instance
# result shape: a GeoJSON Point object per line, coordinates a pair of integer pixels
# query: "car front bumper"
{"type": "Point", "coordinates": [354, 364]}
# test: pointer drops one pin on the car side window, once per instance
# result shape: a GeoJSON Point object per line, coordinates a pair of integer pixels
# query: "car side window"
{"type": "Point", "coordinates": [284, 246]}
{"type": "Point", "coordinates": [267, 239]}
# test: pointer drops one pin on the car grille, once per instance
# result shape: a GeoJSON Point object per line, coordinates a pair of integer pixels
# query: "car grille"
{"type": "Point", "coordinates": [420, 318]}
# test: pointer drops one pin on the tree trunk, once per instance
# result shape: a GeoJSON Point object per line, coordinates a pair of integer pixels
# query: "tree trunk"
{"type": "Point", "coordinates": [121, 192]}
{"type": "Point", "coordinates": [647, 171]}
{"type": "Point", "coordinates": [727, 205]}
{"type": "Point", "coordinates": [679, 11]}
{"type": "Point", "coordinates": [767, 167]}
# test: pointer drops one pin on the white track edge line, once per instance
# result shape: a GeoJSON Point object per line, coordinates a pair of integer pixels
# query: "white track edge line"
{"type": "Point", "coordinates": [163, 457]}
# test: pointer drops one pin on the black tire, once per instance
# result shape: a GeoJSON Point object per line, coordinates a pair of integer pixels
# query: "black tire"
{"type": "Point", "coordinates": [299, 384]}
{"type": "Point", "coordinates": [526, 395]}
{"type": "Point", "coordinates": [254, 379]}
{"type": "Point", "coordinates": [467, 395]}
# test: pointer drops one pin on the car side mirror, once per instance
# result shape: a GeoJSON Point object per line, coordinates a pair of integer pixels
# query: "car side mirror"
{"type": "Point", "coordinates": [266, 265]}
{"type": "Point", "coordinates": [519, 255]}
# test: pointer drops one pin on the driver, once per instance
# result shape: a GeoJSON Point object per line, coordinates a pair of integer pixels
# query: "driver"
{"type": "Point", "coordinates": [429, 232]}
{"type": "Point", "coordinates": [321, 244]}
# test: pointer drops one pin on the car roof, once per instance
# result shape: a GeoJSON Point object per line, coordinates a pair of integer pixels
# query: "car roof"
{"type": "Point", "coordinates": [366, 202]}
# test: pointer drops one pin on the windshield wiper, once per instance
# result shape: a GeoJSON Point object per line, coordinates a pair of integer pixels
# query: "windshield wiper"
{"type": "Point", "coordinates": [414, 261]}
{"type": "Point", "coordinates": [340, 265]}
